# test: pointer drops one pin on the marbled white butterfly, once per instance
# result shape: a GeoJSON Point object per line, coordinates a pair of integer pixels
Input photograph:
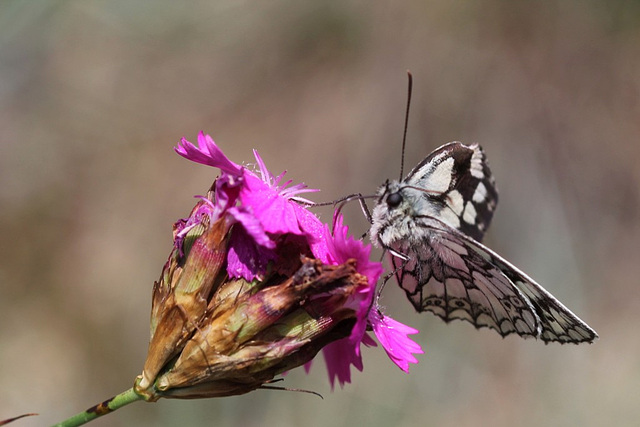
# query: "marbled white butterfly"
{"type": "Point", "coordinates": [432, 223]}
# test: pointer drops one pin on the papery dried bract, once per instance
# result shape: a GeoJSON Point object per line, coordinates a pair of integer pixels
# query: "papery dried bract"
{"type": "Point", "coordinates": [181, 296]}
{"type": "Point", "coordinates": [254, 331]}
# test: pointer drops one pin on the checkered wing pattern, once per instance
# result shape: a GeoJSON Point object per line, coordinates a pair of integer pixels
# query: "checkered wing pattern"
{"type": "Point", "coordinates": [432, 222]}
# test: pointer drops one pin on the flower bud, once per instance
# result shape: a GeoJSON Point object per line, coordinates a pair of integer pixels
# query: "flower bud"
{"type": "Point", "coordinates": [251, 332]}
{"type": "Point", "coordinates": [182, 294]}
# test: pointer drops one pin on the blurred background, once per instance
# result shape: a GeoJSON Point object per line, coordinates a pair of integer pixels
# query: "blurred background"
{"type": "Point", "coordinates": [94, 95]}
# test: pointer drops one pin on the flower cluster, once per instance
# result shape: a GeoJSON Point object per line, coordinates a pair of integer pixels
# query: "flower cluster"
{"type": "Point", "coordinates": [256, 285]}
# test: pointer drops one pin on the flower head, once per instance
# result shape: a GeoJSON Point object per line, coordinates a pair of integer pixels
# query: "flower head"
{"type": "Point", "coordinates": [340, 355]}
{"type": "Point", "coordinates": [256, 285]}
{"type": "Point", "coordinates": [263, 207]}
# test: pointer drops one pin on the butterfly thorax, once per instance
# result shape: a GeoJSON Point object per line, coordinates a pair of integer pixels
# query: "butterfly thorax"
{"type": "Point", "coordinates": [394, 216]}
{"type": "Point", "coordinates": [453, 185]}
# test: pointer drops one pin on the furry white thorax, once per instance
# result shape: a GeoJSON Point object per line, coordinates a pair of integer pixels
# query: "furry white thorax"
{"type": "Point", "coordinates": [391, 225]}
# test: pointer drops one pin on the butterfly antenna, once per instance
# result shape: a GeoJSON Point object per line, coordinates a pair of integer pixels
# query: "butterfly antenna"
{"type": "Point", "coordinates": [406, 123]}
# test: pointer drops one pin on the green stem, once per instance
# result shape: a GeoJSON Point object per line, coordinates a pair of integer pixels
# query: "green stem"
{"type": "Point", "coordinates": [101, 409]}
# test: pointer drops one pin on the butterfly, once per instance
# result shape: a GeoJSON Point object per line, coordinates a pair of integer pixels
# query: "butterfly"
{"type": "Point", "coordinates": [432, 223]}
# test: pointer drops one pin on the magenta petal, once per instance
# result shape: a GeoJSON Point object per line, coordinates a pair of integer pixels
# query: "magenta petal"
{"type": "Point", "coordinates": [250, 248]}
{"type": "Point", "coordinates": [343, 247]}
{"type": "Point", "coordinates": [393, 337]}
{"type": "Point", "coordinates": [276, 214]}
{"type": "Point", "coordinates": [207, 153]}
{"type": "Point", "coordinates": [245, 258]}
{"type": "Point", "coordinates": [316, 232]}
{"type": "Point", "coordinates": [368, 341]}
{"type": "Point", "coordinates": [307, 366]}
{"type": "Point", "coordinates": [267, 178]}
{"type": "Point", "coordinates": [252, 226]}
{"type": "Point", "coordinates": [274, 182]}
{"type": "Point", "coordinates": [227, 189]}
{"type": "Point", "coordinates": [339, 356]}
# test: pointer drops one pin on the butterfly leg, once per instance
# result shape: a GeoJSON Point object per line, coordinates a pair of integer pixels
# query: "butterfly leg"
{"type": "Point", "coordinates": [361, 199]}
{"type": "Point", "coordinates": [405, 259]}
{"type": "Point", "coordinates": [365, 209]}
{"type": "Point", "coordinates": [363, 205]}
{"type": "Point", "coordinates": [385, 279]}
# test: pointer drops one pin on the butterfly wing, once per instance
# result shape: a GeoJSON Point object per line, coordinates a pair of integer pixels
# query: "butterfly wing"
{"type": "Point", "coordinates": [459, 186]}
{"type": "Point", "coordinates": [431, 224]}
{"type": "Point", "coordinates": [455, 277]}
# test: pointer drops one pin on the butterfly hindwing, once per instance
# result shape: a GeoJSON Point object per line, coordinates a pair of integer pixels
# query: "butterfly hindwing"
{"type": "Point", "coordinates": [492, 287]}
{"type": "Point", "coordinates": [557, 321]}
{"type": "Point", "coordinates": [447, 278]}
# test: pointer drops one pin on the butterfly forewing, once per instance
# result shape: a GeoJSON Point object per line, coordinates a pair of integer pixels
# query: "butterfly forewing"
{"type": "Point", "coordinates": [431, 223]}
{"type": "Point", "coordinates": [459, 184]}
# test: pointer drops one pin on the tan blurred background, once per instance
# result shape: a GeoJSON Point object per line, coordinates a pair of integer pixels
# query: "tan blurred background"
{"type": "Point", "coordinates": [94, 94]}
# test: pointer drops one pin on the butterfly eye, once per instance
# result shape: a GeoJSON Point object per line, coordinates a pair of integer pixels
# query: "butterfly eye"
{"type": "Point", "coordinates": [394, 200]}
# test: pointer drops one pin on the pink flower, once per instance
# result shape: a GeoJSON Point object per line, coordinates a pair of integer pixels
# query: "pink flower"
{"type": "Point", "coordinates": [340, 355]}
{"type": "Point", "coordinates": [264, 207]}
{"type": "Point", "coordinates": [347, 351]}
{"type": "Point", "coordinates": [393, 337]}
{"type": "Point", "coordinates": [275, 226]}
{"type": "Point", "coordinates": [207, 153]}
